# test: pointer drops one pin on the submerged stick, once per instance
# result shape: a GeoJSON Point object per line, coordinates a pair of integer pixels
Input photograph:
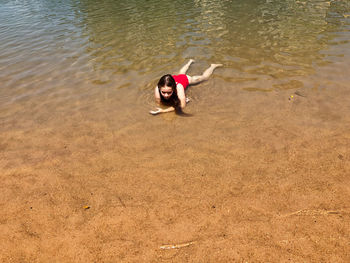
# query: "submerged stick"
{"type": "Point", "coordinates": [176, 246]}
{"type": "Point", "coordinates": [313, 212]}
{"type": "Point", "coordinates": [299, 94]}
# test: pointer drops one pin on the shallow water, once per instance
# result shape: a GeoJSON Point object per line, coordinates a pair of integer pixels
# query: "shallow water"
{"type": "Point", "coordinates": [66, 64]}
{"type": "Point", "coordinates": [77, 48]}
{"type": "Point", "coordinates": [262, 157]}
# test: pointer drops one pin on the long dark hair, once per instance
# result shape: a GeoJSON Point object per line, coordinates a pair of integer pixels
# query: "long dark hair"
{"type": "Point", "coordinates": [169, 81]}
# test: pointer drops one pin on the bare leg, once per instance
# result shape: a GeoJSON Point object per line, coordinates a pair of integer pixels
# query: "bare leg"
{"type": "Point", "coordinates": [206, 74]}
{"type": "Point", "coordinates": [184, 69]}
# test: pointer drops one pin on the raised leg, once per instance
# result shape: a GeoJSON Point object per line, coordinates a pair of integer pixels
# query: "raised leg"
{"type": "Point", "coordinates": [206, 74]}
{"type": "Point", "coordinates": [184, 69]}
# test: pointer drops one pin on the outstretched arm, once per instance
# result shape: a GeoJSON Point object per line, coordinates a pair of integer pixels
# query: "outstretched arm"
{"type": "Point", "coordinates": [160, 110]}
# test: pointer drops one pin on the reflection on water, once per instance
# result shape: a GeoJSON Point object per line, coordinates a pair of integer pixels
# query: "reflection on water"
{"type": "Point", "coordinates": [257, 37]}
{"type": "Point", "coordinates": [75, 47]}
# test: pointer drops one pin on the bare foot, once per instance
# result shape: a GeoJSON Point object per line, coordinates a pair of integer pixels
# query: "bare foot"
{"type": "Point", "coordinates": [216, 65]}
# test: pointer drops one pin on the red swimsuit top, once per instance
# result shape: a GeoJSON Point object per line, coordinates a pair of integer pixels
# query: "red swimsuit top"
{"type": "Point", "coordinates": [181, 79]}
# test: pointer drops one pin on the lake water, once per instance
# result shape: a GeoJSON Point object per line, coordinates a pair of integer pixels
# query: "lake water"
{"type": "Point", "coordinates": [79, 48]}
{"type": "Point", "coordinates": [67, 61]}
{"type": "Point", "coordinates": [88, 175]}
{"type": "Point", "coordinates": [71, 68]}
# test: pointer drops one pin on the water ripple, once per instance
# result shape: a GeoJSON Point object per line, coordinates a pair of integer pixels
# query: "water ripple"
{"type": "Point", "coordinates": [81, 45]}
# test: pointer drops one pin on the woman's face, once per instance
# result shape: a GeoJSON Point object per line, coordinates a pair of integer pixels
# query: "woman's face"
{"type": "Point", "coordinates": [166, 92]}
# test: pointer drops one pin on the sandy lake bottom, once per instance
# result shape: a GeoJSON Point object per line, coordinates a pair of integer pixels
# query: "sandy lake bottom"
{"type": "Point", "coordinates": [257, 171]}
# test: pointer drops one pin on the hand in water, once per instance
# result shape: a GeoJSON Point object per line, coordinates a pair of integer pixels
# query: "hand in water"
{"type": "Point", "coordinates": [155, 112]}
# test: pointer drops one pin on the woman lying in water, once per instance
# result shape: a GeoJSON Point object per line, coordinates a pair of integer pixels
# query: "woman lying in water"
{"type": "Point", "coordinates": [170, 90]}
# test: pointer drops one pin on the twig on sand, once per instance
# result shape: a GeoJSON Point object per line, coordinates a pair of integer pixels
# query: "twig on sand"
{"type": "Point", "coordinates": [121, 201]}
{"type": "Point", "coordinates": [176, 246]}
{"type": "Point", "coordinates": [300, 94]}
{"type": "Point", "coordinates": [310, 212]}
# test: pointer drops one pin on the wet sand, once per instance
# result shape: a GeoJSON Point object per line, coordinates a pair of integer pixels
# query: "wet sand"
{"type": "Point", "coordinates": [250, 177]}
